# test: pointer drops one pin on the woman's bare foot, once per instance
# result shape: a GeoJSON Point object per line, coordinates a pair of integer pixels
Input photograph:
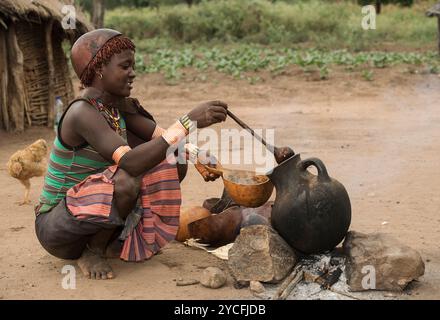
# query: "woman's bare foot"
{"type": "Point", "coordinates": [94, 266]}
{"type": "Point", "coordinates": [113, 250]}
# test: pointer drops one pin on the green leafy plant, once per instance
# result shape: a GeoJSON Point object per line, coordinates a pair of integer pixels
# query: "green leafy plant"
{"type": "Point", "coordinates": [367, 75]}
{"type": "Point", "coordinates": [241, 61]}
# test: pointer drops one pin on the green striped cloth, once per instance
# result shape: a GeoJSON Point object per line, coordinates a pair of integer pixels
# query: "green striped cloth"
{"type": "Point", "coordinates": [67, 168]}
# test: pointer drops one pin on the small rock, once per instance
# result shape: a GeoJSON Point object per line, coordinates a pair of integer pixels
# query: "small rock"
{"type": "Point", "coordinates": [257, 287]}
{"type": "Point", "coordinates": [259, 253]}
{"type": "Point", "coordinates": [380, 260]}
{"type": "Point", "coordinates": [384, 223]}
{"type": "Point", "coordinates": [213, 277]}
{"type": "Point", "coordinates": [189, 282]}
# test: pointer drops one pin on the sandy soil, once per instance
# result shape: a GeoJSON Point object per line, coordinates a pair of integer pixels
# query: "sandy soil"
{"type": "Point", "coordinates": [379, 138]}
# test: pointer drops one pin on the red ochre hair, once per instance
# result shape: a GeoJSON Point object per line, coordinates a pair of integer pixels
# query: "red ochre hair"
{"type": "Point", "coordinates": [113, 46]}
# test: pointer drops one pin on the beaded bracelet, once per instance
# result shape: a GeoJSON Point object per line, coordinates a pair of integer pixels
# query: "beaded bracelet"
{"type": "Point", "coordinates": [187, 122]}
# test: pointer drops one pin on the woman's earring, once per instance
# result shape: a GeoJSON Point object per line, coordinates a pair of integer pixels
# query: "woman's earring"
{"type": "Point", "coordinates": [100, 75]}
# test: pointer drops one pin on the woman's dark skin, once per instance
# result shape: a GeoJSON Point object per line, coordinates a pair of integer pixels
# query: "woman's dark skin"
{"type": "Point", "coordinates": [83, 123]}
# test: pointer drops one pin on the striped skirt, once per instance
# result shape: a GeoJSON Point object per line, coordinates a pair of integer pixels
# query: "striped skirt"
{"type": "Point", "coordinates": [158, 208]}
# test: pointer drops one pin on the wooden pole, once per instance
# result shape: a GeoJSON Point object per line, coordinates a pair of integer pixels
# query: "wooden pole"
{"type": "Point", "coordinates": [4, 116]}
{"type": "Point", "coordinates": [438, 28]}
{"type": "Point", "coordinates": [51, 69]}
{"type": "Point", "coordinates": [17, 99]}
{"type": "Point", "coordinates": [98, 13]}
{"type": "Point", "coordinates": [378, 6]}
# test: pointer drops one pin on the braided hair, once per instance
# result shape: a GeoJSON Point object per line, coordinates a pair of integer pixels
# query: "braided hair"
{"type": "Point", "coordinates": [114, 46]}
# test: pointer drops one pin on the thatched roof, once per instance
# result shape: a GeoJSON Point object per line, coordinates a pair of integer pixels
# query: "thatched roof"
{"type": "Point", "coordinates": [37, 10]}
{"type": "Point", "coordinates": [434, 11]}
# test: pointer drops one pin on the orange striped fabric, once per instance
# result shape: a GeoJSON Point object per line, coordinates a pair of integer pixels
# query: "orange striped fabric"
{"type": "Point", "coordinates": [160, 200]}
{"type": "Point", "coordinates": [93, 196]}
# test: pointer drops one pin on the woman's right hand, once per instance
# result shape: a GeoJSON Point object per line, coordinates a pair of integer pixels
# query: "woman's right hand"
{"type": "Point", "coordinates": [209, 113]}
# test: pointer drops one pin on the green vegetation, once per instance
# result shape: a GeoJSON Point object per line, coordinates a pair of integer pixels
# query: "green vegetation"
{"type": "Point", "coordinates": [313, 23]}
{"type": "Point", "coordinates": [242, 62]}
{"type": "Point", "coordinates": [248, 39]}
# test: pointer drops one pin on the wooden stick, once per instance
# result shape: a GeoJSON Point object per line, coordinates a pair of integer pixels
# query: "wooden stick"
{"type": "Point", "coordinates": [286, 282]}
{"type": "Point", "coordinates": [343, 294]}
{"type": "Point", "coordinates": [310, 277]}
{"type": "Point", "coordinates": [51, 93]}
{"type": "Point", "coordinates": [438, 30]}
{"type": "Point", "coordinates": [245, 126]}
{"type": "Point", "coordinates": [4, 80]}
{"type": "Point", "coordinates": [16, 86]}
{"type": "Point", "coordinates": [292, 285]}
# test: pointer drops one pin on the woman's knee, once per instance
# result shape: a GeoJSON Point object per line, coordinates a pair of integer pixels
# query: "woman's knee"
{"type": "Point", "coordinates": [126, 185]}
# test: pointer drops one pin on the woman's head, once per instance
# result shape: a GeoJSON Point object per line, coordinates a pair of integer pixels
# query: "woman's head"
{"type": "Point", "coordinates": [104, 58]}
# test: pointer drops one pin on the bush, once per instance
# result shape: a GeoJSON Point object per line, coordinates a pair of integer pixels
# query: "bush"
{"type": "Point", "coordinates": [323, 24]}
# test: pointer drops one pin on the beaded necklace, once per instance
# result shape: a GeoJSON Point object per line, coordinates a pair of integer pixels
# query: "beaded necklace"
{"type": "Point", "coordinates": [111, 114]}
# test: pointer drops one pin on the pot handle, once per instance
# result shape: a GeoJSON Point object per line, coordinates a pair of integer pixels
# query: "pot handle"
{"type": "Point", "coordinates": [217, 171]}
{"type": "Point", "coordinates": [322, 171]}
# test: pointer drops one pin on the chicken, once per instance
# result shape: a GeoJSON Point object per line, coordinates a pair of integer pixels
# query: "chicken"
{"type": "Point", "coordinates": [28, 163]}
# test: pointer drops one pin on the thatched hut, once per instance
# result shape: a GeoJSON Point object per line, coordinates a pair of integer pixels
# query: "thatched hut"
{"type": "Point", "coordinates": [33, 65]}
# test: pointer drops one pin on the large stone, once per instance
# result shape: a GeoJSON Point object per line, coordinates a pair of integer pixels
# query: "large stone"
{"type": "Point", "coordinates": [260, 254]}
{"type": "Point", "coordinates": [380, 258]}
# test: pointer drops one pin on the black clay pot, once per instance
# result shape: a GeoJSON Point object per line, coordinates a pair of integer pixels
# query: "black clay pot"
{"type": "Point", "coordinates": [312, 213]}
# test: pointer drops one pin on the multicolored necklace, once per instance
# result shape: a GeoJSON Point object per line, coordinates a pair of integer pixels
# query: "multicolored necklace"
{"type": "Point", "coordinates": [111, 114]}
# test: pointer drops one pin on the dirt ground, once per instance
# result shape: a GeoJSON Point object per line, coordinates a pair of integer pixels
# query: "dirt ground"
{"type": "Point", "coordinates": [379, 138]}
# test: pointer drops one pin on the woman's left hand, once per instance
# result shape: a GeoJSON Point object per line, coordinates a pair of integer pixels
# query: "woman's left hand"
{"type": "Point", "coordinates": [205, 159]}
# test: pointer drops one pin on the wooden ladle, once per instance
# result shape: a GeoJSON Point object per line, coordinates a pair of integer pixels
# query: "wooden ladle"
{"type": "Point", "coordinates": [280, 154]}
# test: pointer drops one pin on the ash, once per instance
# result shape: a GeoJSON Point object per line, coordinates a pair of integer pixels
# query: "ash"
{"type": "Point", "coordinates": [314, 286]}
